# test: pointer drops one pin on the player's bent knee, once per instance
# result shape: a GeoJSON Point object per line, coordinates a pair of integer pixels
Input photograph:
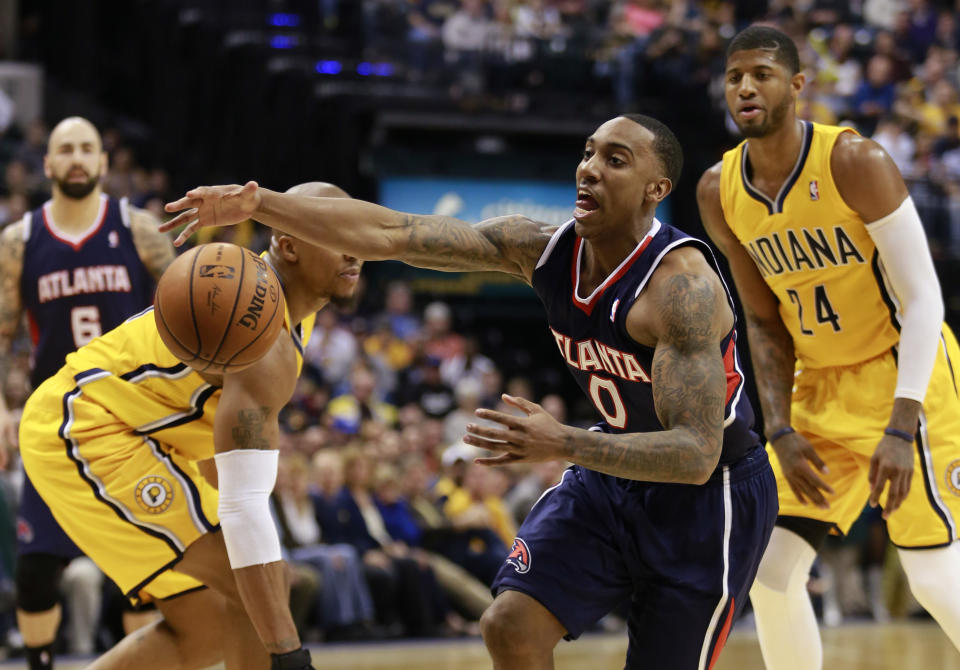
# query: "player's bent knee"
{"type": "Point", "coordinates": [516, 624]}
{"type": "Point", "coordinates": [38, 582]}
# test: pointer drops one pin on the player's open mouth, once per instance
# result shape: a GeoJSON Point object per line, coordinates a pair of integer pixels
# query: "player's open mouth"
{"type": "Point", "coordinates": [586, 204]}
{"type": "Point", "coordinates": [749, 111]}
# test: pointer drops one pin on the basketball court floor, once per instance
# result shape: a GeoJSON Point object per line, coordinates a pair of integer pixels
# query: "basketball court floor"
{"type": "Point", "coordinates": [897, 646]}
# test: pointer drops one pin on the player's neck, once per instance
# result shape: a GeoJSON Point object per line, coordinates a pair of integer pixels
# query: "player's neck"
{"type": "Point", "coordinates": [774, 156]}
{"type": "Point", "coordinates": [73, 215]}
{"type": "Point", "coordinates": [604, 253]}
{"type": "Point", "coordinates": [301, 303]}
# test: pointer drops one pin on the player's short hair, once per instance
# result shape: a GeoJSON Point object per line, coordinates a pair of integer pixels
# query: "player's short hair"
{"type": "Point", "coordinates": [765, 37]}
{"type": "Point", "coordinates": [665, 144]}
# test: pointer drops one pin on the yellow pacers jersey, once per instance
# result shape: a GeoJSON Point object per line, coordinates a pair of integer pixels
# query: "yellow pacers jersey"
{"type": "Point", "coordinates": [815, 254]}
{"type": "Point", "coordinates": [131, 373]}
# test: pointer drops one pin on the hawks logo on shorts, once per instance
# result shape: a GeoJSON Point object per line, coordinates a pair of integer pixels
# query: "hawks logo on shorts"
{"type": "Point", "coordinates": [953, 477]}
{"type": "Point", "coordinates": [519, 556]}
{"type": "Point", "coordinates": [154, 494]}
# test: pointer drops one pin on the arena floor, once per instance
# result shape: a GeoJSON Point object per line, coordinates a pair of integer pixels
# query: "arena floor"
{"type": "Point", "coordinates": [900, 646]}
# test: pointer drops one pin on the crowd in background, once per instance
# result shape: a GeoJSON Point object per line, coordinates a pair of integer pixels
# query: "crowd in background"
{"type": "Point", "coordinates": [391, 527]}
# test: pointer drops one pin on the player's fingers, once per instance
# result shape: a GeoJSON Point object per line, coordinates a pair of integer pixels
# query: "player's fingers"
{"type": "Point", "coordinates": [898, 494]}
{"type": "Point", "coordinates": [187, 232]}
{"type": "Point", "coordinates": [502, 459]}
{"type": "Point", "coordinates": [179, 220]}
{"type": "Point", "coordinates": [250, 187]}
{"type": "Point", "coordinates": [812, 456]}
{"type": "Point", "coordinates": [876, 488]}
{"type": "Point", "coordinates": [503, 418]}
{"type": "Point", "coordinates": [812, 491]}
{"type": "Point", "coordinates": [816, 481]}
{"type": "Point", "coordinates": [872, 472]}
{"type": "Point", "coordinates": [182, 203]}
{"type": "Point", "coordinates": [488, 432]}
{"type": "Point", "coordinates": [797, 492]}
{"type": "Point", "coordinates": [522, 404]}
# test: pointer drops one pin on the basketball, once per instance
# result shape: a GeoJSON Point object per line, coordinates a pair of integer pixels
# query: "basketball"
{"type": "Point", "coordinates": [219, 307]}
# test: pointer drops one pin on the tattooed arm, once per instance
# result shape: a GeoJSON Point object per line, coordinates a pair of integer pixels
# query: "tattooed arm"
{"type": "Point", "coordinates": [685, 313]}
{"type": "Point", "coordinates": [771, 348]}
{"type": "Point", "coordinates": [510, 244]}
{"type": "Point", "coordinates": [154, 248]}
{"type": "Point", "coordinates": [11, 267]}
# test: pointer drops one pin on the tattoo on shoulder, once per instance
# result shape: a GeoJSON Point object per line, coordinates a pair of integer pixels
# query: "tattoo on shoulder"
{"type": "Point", "coordinates": [154, 248]}
{"type": "Point", "coordinates": [688, 304]}
{"type": "Point", "coordinates": [248, 433]}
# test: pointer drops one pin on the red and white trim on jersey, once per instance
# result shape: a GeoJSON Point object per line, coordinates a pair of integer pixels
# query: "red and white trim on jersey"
{"type": "Point", "coordinates": [75, 240]}
{"type": "Point", "coordinates": [587, 304]}
{"type": "Point", "coordinates": [731, 367]}
{"type": "Point", "coordinates": [710, 650]}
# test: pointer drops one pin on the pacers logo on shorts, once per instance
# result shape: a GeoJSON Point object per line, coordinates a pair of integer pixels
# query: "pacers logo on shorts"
{"type": "Point", "coordinates": [953, 477]}
{"type": "Point", "coordinates": [154, 494]}
{"type": "Point", "coordinates": [519, 556]}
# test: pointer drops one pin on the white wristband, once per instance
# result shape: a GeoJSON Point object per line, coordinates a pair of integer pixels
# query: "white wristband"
{"type": "Point", "coordinates": [246, 478]}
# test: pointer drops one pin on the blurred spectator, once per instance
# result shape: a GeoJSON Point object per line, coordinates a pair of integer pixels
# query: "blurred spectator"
{"type": "Point", "coordinates": [427, 389]}
{"type": "Point", "coordinates": [469, 392]}
{"type": "Point", "coordinates": [331, 348]}
{"type": "Point", "coordinates": [875, 97]}
{"type": "Point", "coordinates": [526, 492]}
{"type": "Point", "coordinates": [538, 20]}
{"type": "Point", "coordinates": [893, 137]}
{"type": "Point", "coordinates": [33, 149]}
{"type": "Point", "coordinates": [347, 412]}
{"type": "Point", "coordinates": [469, 363]}
{"type": "Point", "coordinates": [478, 503]}
{"type": "Point", "coordinates": [345, 604]}
{"type": "Point", "coordinates": [399, 308]}
{"type": "Point", "coordinates": [466, 29]}
{"type": "Point", "coordinates": [441, 342]}
{"type": "Point", "coordinates": [836, 61]}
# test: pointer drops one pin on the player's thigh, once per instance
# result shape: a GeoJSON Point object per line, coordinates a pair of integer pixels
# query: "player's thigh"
{"type": "Point", "coordinates": [197, 619]}
{"type": "Point", "coordinates": [930, 515]}
{"type": "Point", "coordinates": [568, 556]}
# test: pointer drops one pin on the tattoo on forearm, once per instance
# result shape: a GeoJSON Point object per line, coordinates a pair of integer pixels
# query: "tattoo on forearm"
{"type": "Point", "coordinates": [772, 354]}
{"type": "Point", "coordinates": [248, 433]}
{"type": "Point", "coordinates": [508, 244]}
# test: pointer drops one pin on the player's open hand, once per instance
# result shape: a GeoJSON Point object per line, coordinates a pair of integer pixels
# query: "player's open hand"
{"type": "Point", "coordinates": [207, 206]}
{"type": "Point", "coordinates": [531, 438]}
{"type": "Point", "coordinates": [802, 467]}
{"type": "Point", "coordinates": [892, 461]}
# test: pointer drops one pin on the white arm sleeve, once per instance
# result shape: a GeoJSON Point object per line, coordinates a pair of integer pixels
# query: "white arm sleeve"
{"type": "Point", "coordinates": [245, 478]}
{"type": "Point", "coordinates": [906, 262]}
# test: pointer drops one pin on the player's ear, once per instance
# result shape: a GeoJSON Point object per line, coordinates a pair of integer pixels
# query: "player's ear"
{"type": "Point", "coordinates": [798, 81]}
{"type": "Point", "coordinates": [288, 249]}
{"type": "Point", "coordinates": [660, 189]}
{"type": "Point", "coordinates": [47, 170]}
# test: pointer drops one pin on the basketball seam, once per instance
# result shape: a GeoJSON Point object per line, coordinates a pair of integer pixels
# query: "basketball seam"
{"type": "Point", "coordinates": [159, 312]}
{"type": "Point", "coordinates": [233, 310]}
{"type": "Point", "coordinates": [193, 314]}
{"type": "Point", "coordinates": [276, 308]}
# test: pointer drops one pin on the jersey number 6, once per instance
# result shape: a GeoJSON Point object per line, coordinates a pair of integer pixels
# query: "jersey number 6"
{"type": "Point", "coordinates": [85, 324]}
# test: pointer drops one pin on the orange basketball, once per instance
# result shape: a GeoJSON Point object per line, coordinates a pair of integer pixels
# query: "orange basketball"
{"type": "Point", "coordinates": [219, 307]}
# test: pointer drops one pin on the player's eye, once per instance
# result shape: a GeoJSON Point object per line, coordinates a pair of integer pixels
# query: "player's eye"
{"type": "Point", "coordinates": [587, 154]}
{"type": "Point", "coordinates": [616, 160]}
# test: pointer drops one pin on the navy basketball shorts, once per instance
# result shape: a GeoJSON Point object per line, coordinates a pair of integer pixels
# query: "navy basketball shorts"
{"type": "Point", "coordinates": [682, 557]}
{"type": "Point", "coordinates": [37, 531]}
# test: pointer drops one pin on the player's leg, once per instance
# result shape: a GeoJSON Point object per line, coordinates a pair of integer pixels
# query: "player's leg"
{"type": "Point", "coordinates": [520, 632]}
{"type": "Point", "coordinates": [190, 635]}
{"type": "Point", "coordinates": [701, 546]}
{"type": "Point", "coordinates": [786, 623]}
{"type": "Point", "coordinates": [206, 561]}
{"type": "Point", "coordinates": [925, 528]}
{"type": "Point", "coordinates": [564, 573]}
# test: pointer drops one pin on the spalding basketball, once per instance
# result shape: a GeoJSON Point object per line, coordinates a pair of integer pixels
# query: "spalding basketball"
{"type": "Point", "coordinates": [219, 307]}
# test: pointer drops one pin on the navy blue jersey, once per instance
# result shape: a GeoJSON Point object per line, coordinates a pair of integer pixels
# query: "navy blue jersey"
{"type": "Point", "coordinates": [75, 287]}
{"type": "Point", "coordinates": [609, 365]}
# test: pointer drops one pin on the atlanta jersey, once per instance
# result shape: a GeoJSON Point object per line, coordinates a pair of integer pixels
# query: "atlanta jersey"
{"type": "Point", "coordinates": [608, 364]}
{"type": "Point", "coordinates": [815, 255]}
{"type": "Point", "coordinates": [75, 287]}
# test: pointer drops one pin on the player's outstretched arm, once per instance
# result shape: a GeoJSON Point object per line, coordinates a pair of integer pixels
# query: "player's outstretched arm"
{"type": "Point", "coordinates": [11, 267]}
{"type": "Point", "coordinates": [870, 183]}
{"type": "Point", "coordinates": [509, 244]}
{"type": "Point", "coordinates": [245, 440]}
{"type": "Point", "coordinates": [771, 349]}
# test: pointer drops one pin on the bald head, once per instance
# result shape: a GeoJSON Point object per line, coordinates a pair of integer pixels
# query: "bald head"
{"type": "Point", "coordinates": [74, 128]}
{"type": "Point", "coordinates": [75, 159]}
{"type": "Point", "coordinates": [313, 189]}
{"type": "Point", "coordinates": [318, 189]}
